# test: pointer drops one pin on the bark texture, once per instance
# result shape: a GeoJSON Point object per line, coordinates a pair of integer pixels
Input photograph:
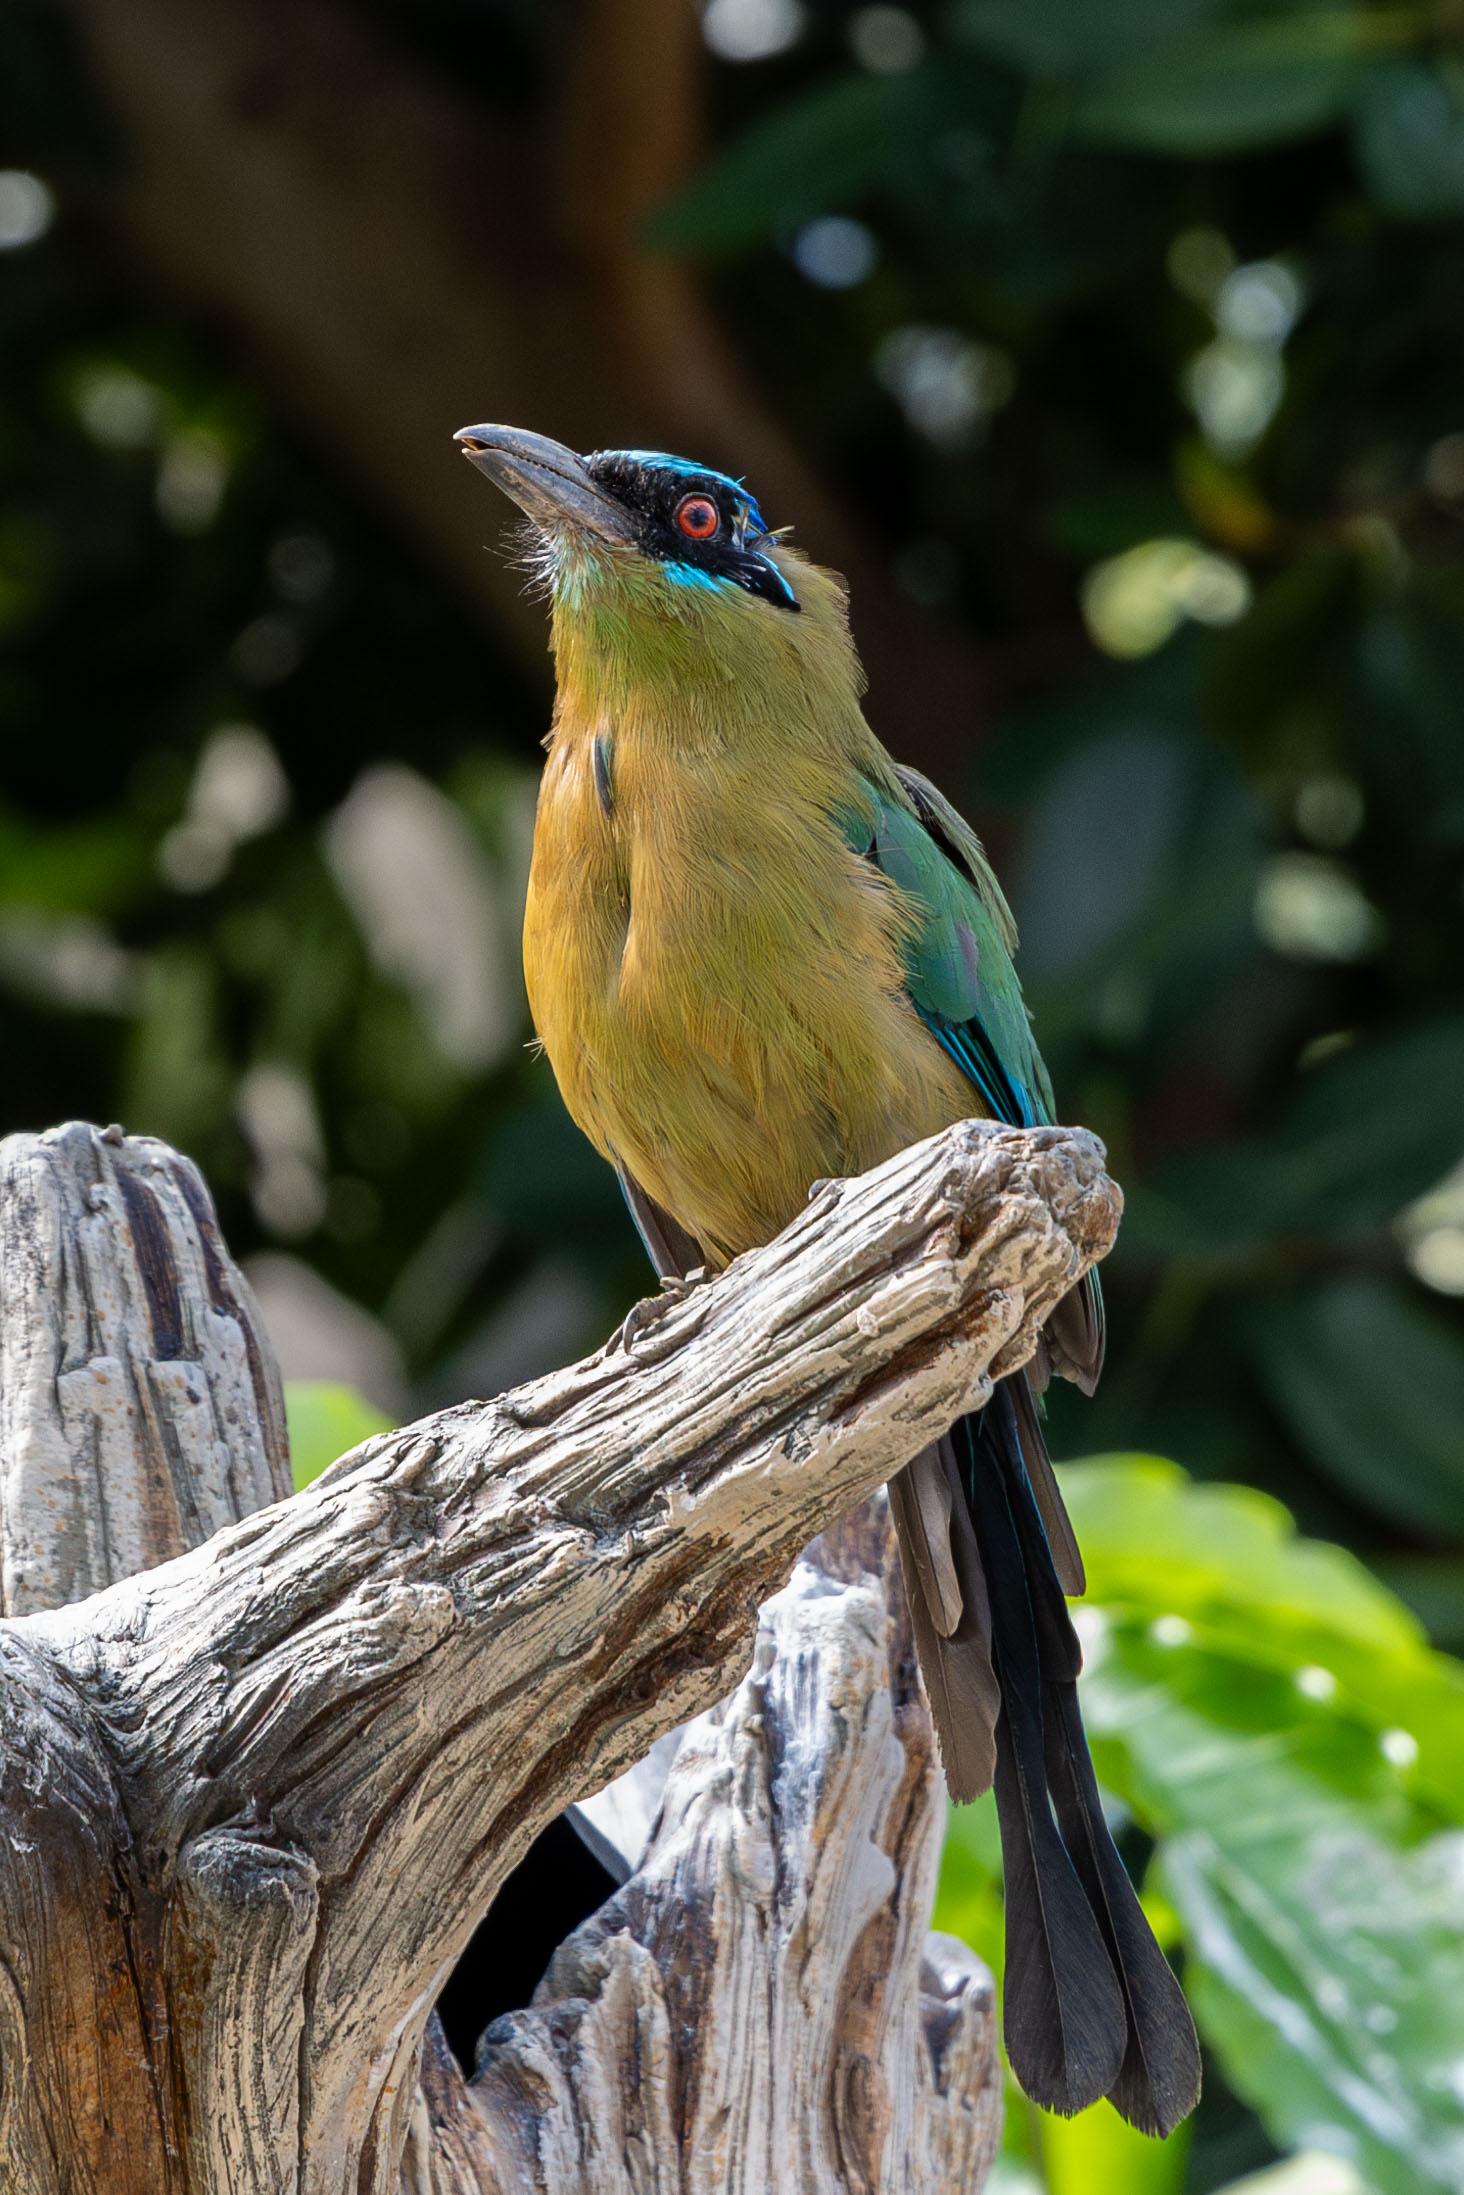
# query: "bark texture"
{"type": "Point", "coordinates": [258, 1797]}
{"type": "Point", "coordinates": [140, 1403]}
{"type": "Point", "coordinates": [762, 2006]}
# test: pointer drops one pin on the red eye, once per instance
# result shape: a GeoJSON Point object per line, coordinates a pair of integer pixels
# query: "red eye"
{"type": "Point", "coordinates": [698, 516]}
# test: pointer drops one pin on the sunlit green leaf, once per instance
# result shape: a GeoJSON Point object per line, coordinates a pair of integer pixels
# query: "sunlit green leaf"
{"type": "Point", "coordinates": [326, 1418]}
{"type": "Point", "coordinates": [1328, 1971]}
{"type": "Point", "coordinates": [1226, 1565]}
{"type": "Point", "coordinates": [1099, 2150]}
{"type": "Point", "coordinates": [1273, 1717]}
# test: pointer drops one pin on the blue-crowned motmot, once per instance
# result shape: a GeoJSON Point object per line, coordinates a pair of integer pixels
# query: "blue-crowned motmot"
{"type": "Point", "coordinates": [760, 953]}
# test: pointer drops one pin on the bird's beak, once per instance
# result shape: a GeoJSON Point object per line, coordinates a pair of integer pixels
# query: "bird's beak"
{"type": "Point", "coordinates": [544, 479]}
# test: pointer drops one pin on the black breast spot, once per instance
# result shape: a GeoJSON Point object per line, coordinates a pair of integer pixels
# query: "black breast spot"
{"type": "Point", "coordinates": [600, 753]}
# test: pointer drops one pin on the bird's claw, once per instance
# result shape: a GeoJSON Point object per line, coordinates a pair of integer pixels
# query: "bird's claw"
{"type": "Point", "coordinates": [642, 1317]}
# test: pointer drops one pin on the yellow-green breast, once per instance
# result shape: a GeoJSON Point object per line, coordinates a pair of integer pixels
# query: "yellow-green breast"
{"type": "Point", "coordinates": [715, 975]}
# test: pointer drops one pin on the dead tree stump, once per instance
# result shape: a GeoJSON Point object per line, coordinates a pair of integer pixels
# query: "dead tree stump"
{"type": "Point", "coordinates": [257, 1791]}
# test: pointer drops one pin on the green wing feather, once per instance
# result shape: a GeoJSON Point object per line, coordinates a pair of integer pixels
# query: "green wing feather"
{"type": "Point", "coordinates": [962, 983]}
{"type": "Point", "coordinates": [958, 951]}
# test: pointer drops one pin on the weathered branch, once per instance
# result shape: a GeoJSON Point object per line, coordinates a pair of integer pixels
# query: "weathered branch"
{"type": "Point", "coordinates": [761, 2006]}
{"type": "Point", "coordinates": [140, 1404]}
{"type": "Point", "coordinates": [317, 1743]}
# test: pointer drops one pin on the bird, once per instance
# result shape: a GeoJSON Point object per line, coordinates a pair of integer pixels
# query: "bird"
{"type": "Point", "coordinates": [759, 954]}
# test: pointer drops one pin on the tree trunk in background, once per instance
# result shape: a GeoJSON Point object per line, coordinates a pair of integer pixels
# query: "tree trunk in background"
{"type": "Point", "coordinates": [397, 264]}
{"type": "Point", "coordinates": [258, 1798]}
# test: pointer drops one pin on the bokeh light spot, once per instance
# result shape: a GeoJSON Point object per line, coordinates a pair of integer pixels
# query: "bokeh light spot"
{"type": "Point", "coordinates": [835, 252]}
{"type": "Point", "coordinates": [751, 30]}
{"type": "Point", "coordinates": [1443, 471]}
{"type": "Point", "coordinates": [118, 408]}
{"type": "Point", "coordinates": [1133, 602]}
{"type": "Point", "coordinates": [1234, 389]}
{"type": "Point", "coordinates": [1329, 811]}
{"type": "Point", "coordinates": [1198, 262]}
{"type": "Point", "coordinates": [947, 384]}
{"type": "Point", "coordinates": [1310, 909]}
{"type": "Point", "coordinates": [301, 566]}
{"type": "Point", "coordinates": [268, 651]}
{"type": "Point", "coordinates": [886, 41]}
{"type": "Point", "coordinates": [27, 209]}
{"type": "Point", "coordinates": [191, 480]}
{"type": "Point", "coordinates": [1432, 1233]}
{"type": "Point", "coordinates": [1259, 303]}
{"type": "Point", "coordinates": [1315, 1683]}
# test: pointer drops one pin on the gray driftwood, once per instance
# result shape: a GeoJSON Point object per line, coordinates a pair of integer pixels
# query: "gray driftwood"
{"type": "Point", "coordinates": [255, 1800]}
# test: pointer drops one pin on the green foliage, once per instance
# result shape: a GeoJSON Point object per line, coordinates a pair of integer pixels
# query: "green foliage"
{"type": "Point", "coordinates": [1374, 1386]}
{"type": "Point", "coordinates": [326, 1419]}
{"type": "Point", "coordinates": [1231, 88]}
{"type": "Point", "coordinates": [1277, 1726]}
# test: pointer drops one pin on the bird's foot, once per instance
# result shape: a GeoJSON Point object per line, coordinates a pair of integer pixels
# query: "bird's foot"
{"type": "Point", "coordinates": [643, 1317]}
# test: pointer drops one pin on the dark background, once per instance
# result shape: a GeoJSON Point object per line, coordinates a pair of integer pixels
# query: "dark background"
{"type": "Point", "coordinates": [281, 253]}
{"type": "Point", "coordinates": [1117, 355]}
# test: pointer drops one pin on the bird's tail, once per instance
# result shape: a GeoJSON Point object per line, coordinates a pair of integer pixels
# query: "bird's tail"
{"type": "Point", "coordinates": [1091, 2007]}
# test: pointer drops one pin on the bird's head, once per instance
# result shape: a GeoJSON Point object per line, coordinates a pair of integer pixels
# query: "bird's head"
{"type": "Point", "coordinates": [656, 564]}
{"type": "Point", "coordinates": [630, 515]}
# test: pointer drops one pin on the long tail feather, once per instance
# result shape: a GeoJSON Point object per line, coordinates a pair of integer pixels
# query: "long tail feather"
{"type": "Point", "coordinates": [1063, 1541]}
{"type": "Point", "coordinates": [1157, 2081]}
{"type": "Point", "coordinates": [1065, 2019]}
{"type": "Point", "coordinates": [953, 1642]}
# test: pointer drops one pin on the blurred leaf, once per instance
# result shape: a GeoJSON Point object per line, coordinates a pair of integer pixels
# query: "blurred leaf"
{"type": "Point", "coordinates": [1274, 1718]}
{"type": "Point", "coordinates": [936, 141]}
{"type": "Point", "coordinates": [1227, 1557]}
{"type": "Point", "coordinates": [1127, 815]}
{"type": "Point", "coordinates": [1364, 1134]}
{"type": "Point", "coordinates": [96, 865]}
{"type": "Point", "coordinates": [326, 1419]}
{"type": "Point", "coordinates": [1327, 1970]}
{"type": "Point", "coordinates": [1226, 1561]}
{"type": "Point", "coordinates": [817, 152]}
{"type": "Point", "coordinates": [1374, 1390]}
{"type": "Point", "coordinates": [1257, 1700]}
{"type": "Point", "coordinates": [1433, 1587]}
{"type": "Point", "coordinates": [1099, 2150]}
{"type": "Point", "coordinates": [1065, 37]}
{"type": "Point", "coordinates": [1413, 672]}
{"type": "Point", "coordinates": [1410, 140]}
{"type": "Point", "coordinates": [1235, 87]}
{"type": "Point", "coordinates": [1309, 2172]}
